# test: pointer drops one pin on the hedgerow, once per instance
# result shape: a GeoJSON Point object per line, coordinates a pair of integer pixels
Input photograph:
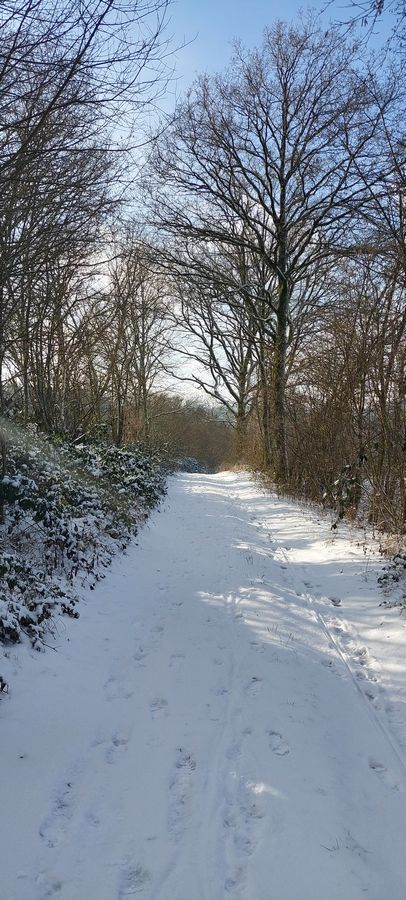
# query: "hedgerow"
{"type": "Point", "coordinates": [67, 509]}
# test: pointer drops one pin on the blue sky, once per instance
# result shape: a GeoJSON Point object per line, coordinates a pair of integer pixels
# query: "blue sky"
{"type": "Point", "coordinates": [211, 25]}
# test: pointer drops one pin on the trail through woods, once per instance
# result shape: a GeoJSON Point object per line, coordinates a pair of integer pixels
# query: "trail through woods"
{"type": "Point", "coordinates": [226, 719]}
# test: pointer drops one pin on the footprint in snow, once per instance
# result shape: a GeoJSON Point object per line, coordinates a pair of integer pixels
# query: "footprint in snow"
{"type": "Point", "coordinates": [233, 751]}
{"type": "Point", "coordinates": [117, 690]}
{"type": "Point", "coordinates": [278, 744]}
{"type": "Point", "coordinates": [176, 661]}
{"type": "Point", "coordinates": [240, 821]}
{"type": "Point", "coordinates": [181, 794]}
{"type": "Point", "coordinates": [185, 760]}
{"type": "Point", "coordinates": [253, 686]}
{"type": "Point", "coordinates": [233, 884]}
{"type": "Point", "coordinates": [119, 743]}
{"type": "Point", "coordinates": [53, 827]}
{"type": "Point", "coordinates": [250, 804]}
{"type": "Point", "coordinates": [370, 694]}
{"type": "Point", "coordinates": [48, 889]}
{"type": "Point", "coordinates": [158, 706]}
{"type": "Point", "coordinates": [383, 773]}
{"type": "Point", "coordinates": [134, 881]}
{"type": "Point", "coordinates": [230, 820]}
{"type": "Point", "coordinates": [243, 844]}
{"type": "Point", "coordinates": [93, 818]}
{"type": "Point", "coordinates": [361, 655]}
{"type": "Point", "coordinates": [328, 664]}
{"type": "Point", "coordinates": [140, 654]}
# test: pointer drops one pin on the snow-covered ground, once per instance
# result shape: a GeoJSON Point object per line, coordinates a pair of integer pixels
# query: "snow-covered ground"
{"type": "Point", "coordinates": [226, 719]}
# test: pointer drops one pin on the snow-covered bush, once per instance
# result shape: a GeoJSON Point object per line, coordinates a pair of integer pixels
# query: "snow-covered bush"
{"type": "Point", "coordinates": [67, 510]}
{"type": "Point", "coordinates": [189, 464]}
{"type": "Point", "coordinates": [344, 494]}
{"type": "Point", "coordinates": [393, 582]}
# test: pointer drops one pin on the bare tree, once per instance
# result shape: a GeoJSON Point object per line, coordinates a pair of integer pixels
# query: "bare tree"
{"type": "Point", "coordinates": [60, 55]}
{"type": "Point", "coordinates": [134, 342]}
{"type": "Point", "coordinates": [75, 79]}
{"type": "Point", "coordinates": [263, 158]}
{"type": "Point", "coordinates": [347, 405]}
{"type": "Point", "coordinates": [216, 329]}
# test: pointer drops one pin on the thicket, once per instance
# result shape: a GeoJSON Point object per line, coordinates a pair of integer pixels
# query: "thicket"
{"type": "Point", "coordinates": [66, 509]}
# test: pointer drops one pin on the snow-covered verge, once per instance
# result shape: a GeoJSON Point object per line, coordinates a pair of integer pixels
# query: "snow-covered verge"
{"type": "Point", "coordinates": [357, 596]}
{"type": "Point", "coordinates": [227, 719]}
{"type": "Point", "coordinates": [67, 510]}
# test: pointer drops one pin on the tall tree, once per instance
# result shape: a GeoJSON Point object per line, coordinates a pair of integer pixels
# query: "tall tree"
{"type": "Point", "coordinates": [265, 158]}
{"type": "Point", "coordinates": [75, 79]}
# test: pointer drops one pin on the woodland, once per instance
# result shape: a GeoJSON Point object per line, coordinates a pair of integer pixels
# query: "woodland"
{"type": "Point", "coordinates": [225, 281]}
{"type": "Point", "coordinates": [203, 375]}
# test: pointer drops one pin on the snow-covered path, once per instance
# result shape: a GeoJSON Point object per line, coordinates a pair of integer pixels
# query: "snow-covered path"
{"type": "Point", "coordinates": [212, 727]}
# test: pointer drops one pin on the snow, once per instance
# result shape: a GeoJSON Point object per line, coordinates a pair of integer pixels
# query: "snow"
{"type": "Point", "coordinates": [226, 719]}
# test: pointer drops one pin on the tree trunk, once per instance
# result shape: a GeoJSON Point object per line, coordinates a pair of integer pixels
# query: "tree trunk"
{"type": "Point", "coordinates": [278, 378]}
{"type": "Point", "coordinates": [3, 461]}
{"type": "Point", "coordinates": [278, 389]}
{"type": "Point", "coordinates": [264, 416]}
{"type": "Point", "coordinates": [240, 434]}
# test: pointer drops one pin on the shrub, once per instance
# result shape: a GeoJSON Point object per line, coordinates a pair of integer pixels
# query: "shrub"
{"type": "Point", "coordinates": [67, 509]}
